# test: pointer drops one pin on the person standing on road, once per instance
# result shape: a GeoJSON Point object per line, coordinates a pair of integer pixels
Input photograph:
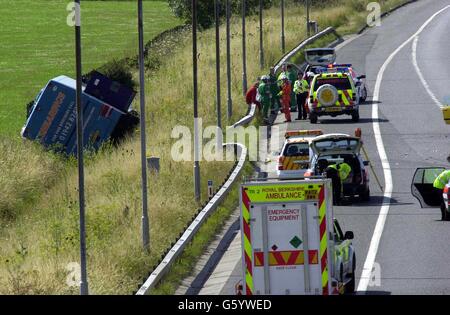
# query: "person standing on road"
{"type": "Point", "coordinates": [292, 77]}
{"type": "Point", "coordinates": [266, 96]}
{"type": "Point", "coordinates": [301, 88]}
{"type": "Point", "coordinates": [439, 184]}
{"type": "Point", "coordinates": [251, 95]}
{"type": "Point", "coordinates": [338, 174]}
{"type": "Point", "coordinates": [286, 91]}
{"type": "Point", "coordinates": [274, 90]}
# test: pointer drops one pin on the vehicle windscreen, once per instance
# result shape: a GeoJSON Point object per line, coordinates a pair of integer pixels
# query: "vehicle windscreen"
{"type": "Point", "coordinates": [297, 149]}
{"type": "Point", "coordinates": [339, 83]}
{"type": "Point", "coordinates": [344, 144]}
{"type": "Point", "coordinates": [320, 56]}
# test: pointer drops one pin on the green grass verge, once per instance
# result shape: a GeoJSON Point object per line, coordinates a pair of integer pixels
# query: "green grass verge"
{"type": "Point", "coordinates": [36, 44]}
{"type": "Point", "coordinates": [38, 192]}
{"type": "Point", "coordinates": [185, 263]}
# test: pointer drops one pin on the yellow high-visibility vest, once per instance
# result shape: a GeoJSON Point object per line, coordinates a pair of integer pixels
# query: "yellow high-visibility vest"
{"type": "Point", "coordinates": [442, 180]}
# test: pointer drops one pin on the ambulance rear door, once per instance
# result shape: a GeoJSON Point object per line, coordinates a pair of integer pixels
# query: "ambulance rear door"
{"type": "Point", "coordinates": [287, 237]}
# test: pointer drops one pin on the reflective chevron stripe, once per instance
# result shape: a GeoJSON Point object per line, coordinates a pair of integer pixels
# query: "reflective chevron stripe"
{"type": "Point", "coordinates": [247, 243]}
{"type": "Point", "coordinates": [287, 258]}
{"type": "Point", "coordinates": [323, 240]}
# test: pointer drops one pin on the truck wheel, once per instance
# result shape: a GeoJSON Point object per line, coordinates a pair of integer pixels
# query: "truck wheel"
{"type": "Point", "coordinates": [313, 118]}
{"type": "Point", "coordinates": [355, 116]}
{"type": "Point", "coordinates": [350, 287]}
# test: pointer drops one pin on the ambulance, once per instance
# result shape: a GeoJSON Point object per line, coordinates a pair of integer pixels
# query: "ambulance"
{"type": "Point", "coordinates": [291, 242]}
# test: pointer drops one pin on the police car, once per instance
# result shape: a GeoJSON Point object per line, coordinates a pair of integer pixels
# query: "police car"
{"type": "Point", "coordinates": [422, 188]}
{"type": "Point", "coordinates": [342, 148]}
{"type": "Point", "coordinates": [333, 94]}
{"type": "Point", "coordinates": [360, 84]}
{"type": "Point", "coordinates": [294, 158]}
{"type": "Point", "coordinates": [322, 60]}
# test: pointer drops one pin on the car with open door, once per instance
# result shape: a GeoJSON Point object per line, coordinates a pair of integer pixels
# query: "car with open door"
{"type": "Point", "coordinates": [342, 148]}
{"type": "Point", "coordinates": [429, 197]}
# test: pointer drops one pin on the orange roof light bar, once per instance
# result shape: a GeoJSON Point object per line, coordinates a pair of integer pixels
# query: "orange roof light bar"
{"type": "Point", "coordinates": [297, 133]}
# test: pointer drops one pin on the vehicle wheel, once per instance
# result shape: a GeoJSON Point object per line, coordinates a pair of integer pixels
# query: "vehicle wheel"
{"type": "Point", "coordinates": [313, 118]}
{"type": "Point", "coordinates": [365, 196]}
{"type": "Point", "coordinates": [445, 213]}
{"type": "Point", "coordinates": [350, 287]}
{"type": "Point", "coordinates": [364, 95]}
{"type": "Point", "coordinates": [355, 116]}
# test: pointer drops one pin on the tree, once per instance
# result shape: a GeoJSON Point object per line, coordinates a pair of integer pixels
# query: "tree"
{"type": "Point", "coordinates": [182, 9]}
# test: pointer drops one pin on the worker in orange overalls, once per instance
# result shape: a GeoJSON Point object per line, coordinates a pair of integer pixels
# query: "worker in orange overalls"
{"type": "Point", "coordinates": [286, 90]}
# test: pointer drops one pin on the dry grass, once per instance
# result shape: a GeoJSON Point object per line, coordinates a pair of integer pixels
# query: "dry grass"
{"type": "Point", "coordinates": [39, 234]}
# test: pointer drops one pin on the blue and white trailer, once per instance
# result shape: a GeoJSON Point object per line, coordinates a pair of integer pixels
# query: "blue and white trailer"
{"type": "Point", "coordinates": [52, 121]}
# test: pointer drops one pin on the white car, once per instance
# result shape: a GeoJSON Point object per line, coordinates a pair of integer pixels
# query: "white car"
{"type": "Point", "coordinates": [339, 148]}
{"type": "Point", "coordinates": [422, 189]}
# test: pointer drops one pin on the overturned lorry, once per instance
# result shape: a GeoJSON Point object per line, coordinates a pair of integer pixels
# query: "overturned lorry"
{"type": "Point", "coordinates": [105, 106]}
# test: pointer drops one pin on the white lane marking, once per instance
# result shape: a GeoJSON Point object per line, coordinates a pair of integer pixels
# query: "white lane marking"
{"type": "Point", "coordinates": [370, 259]}
{"type": "Point", "coordinates": [419, 73]}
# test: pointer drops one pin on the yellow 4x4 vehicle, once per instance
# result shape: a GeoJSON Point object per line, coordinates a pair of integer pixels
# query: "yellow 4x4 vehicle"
{"type": "Point", "coordinates": [333, 94]}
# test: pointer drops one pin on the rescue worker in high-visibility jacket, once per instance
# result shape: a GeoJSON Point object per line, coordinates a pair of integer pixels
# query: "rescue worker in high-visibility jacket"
{"type": "Point", "coordinates": [301, 89]}
{"type": "Point", "coordinates": [266, 96]}
{"type": "Point", "coordinates": [338, 174]}
{"type": "Point", "coordinates": [439, 184]}
{"type": "Point", "coordinates": [285, 94]}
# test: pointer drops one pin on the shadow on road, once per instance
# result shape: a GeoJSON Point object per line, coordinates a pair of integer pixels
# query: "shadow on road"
{"type": "Point", "coordinates": [347, 121]}
{"type": "Point", "coordinates": [373, 293]}
{"type": "Point", "coordinates": [377, 201]}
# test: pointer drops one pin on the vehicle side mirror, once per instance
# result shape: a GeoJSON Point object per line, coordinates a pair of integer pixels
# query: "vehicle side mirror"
{"type": "Point", "coordinates": [362, 77]}
{"type": "Point", "coordinates": [366, 163]}
{"type": "Point", "coordinates": [349, 235]}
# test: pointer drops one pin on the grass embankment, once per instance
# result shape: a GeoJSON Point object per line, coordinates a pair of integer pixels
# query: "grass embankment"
{"type": "Point", "coordinates": [36, 44]}
{"type": "Point", "coordinates": [39, 236]}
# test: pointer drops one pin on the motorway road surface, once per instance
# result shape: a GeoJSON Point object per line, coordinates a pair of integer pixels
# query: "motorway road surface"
{"type": "Point", "coordinates": [413, 255]}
